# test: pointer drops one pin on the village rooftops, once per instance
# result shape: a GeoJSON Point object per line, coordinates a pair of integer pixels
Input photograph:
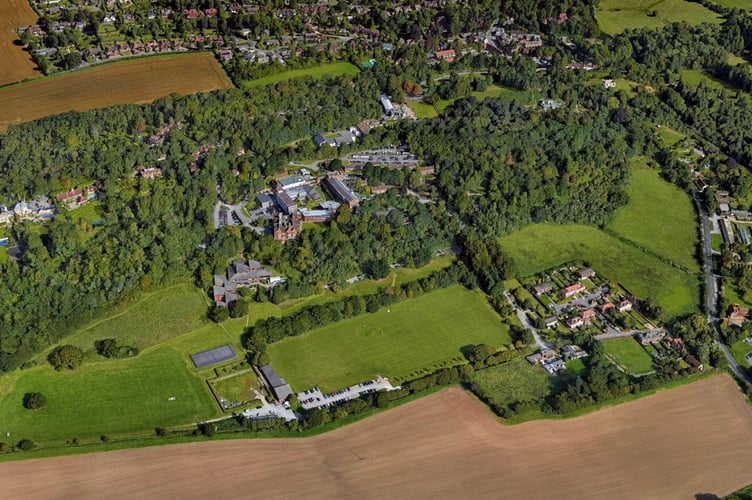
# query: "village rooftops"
{"type": "Point", "coordinates": [651, 337]}
{"type": "Point", "coordinates": [573, 289]}
{"type": "Point", "coordinates": [542, 288]}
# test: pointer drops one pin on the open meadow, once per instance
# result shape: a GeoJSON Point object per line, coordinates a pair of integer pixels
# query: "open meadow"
{"type": "Point", "coordinates": [394, 342]}
{"type": "Point", "coordinates": [675, 444]}
{"type": "Point", "coordinates": [615, 16]}
{"type": "Point", "coordinates": [512, 382]}
{"type": "Point", "coordinates": [127, 397]}
{"type": "Point", "coordinates": [659, 217]}
{"type": "Point", "coordinates": [16, 62]}
{"type": "Point", "coordinates": [542, 246]}
{"type": "Point", "coordinates": [131, 81]}
{"type": "Point", "coordinates": [331, 69]}
{"type": "Point", "coordinates": [629, 354]}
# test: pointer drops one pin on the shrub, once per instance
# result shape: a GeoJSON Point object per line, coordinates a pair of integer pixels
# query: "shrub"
{"type": "Point", "coordinates": [26, 445]}
{"type": "Point", "coordinates": [66, 357]}
{"type": "Point", "coordinates": [34, 400]}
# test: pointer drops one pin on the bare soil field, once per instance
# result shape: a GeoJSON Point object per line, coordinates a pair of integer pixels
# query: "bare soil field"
{"type": "Point", "coordinates": [15, 62]}
{"type": "Point", "coordinates": [131, 81]}
{"type": "Point", "coordinates": [675, 444]}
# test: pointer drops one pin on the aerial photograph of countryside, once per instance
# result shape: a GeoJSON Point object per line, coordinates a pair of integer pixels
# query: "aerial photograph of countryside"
{"type": "Point", "coordinates": [404, 249]}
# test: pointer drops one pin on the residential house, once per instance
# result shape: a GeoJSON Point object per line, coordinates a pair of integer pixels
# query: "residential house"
{"type": "Point", "coordinates": [573, 323]}
{"type": "Point", "coordinates": [542, 288]}
{"type": "Point", "coordinates": [736, 315]}
{"type": "Point", "coordinates": [551, 104]}
{"type": "Point", "coordinates": [605, 307]}
{"type": "Point", "coordinates": [650, 337]}
{"type": "Point", "coordinates": [573, 352]}
{"type": "Point", "coordinates": [551, 321]}
{"type": "Point", "coordinates": [445, 55]}
{"type": "Point", "coordinates": [624, 306]}
{"type": "Point", "coordinates": [386, 103]}
{"type": "Point", "coordinates": [584, 273]}
{"type": "Point", "coordinates": [676, 344]}
{"type": "Point", "coordinates": [320, 140]}
{"type": "Point", "coordinates": [588, 315]}
{"type": "Point", "coordinates": [694, 362]}
{"type": "Point", "coordinates": [573, 290]}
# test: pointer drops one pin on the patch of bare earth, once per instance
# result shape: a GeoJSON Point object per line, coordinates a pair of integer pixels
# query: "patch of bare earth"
{"type": "Point", "coordinates": [675, 444]}
{"type": "Point", "coordinates": [15, 62]}
{"type": "Point", "coordinates": [129, 81]}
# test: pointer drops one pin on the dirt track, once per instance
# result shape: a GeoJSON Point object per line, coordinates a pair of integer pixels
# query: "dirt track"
{"type": "Point", "coordinates": [676, 444]}
{"type": "Point", "coordinates": [15, 62]}
{"type": "Point", "coordinates": [128, 81]}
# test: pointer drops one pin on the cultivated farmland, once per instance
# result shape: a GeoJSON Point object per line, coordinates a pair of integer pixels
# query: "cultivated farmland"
{"type": "Point", "coordinates": [671, 445]}
{"type": "Point", "coordinates": [16, 62]}
{"type": "Point", "coordinates": [542, 246]}
{"type": "Point", "coordinates": [132, 81]}
{"type": "Point", "coordinates": [393, 342]}
{"type": "Point", "coordinates": [614, 16]}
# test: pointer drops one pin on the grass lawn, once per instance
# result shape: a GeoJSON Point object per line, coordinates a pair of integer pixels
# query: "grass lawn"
{"type": "Point", "coordinates": [614, 16]}
{"type": "Point", "coordinates": [739, 350]}
{"type": "Point", "coordinates": [734, 4]}
{"type": "Point", "coordinates": [659, 217]}
{"type": "Point", "coordinates": [716, 241]}
{"type": "Point", "coordinates": [511, 382]}
{"type": "Point", "coordinates": [395, 342]}
{"type": "Point", "coordinates": [331, 69]}
{"type": "Point", "coordinates": [576, 366]}
{"type": "Point", "coordinates": [89, 212]}
{"type": "Point", "coordinates": [119, 397]}
{"type": "Point", "coordinates": [629, 353]}
{"type": "Point", "coordinates": [669, 136]}
{"type": "Point", "coordinates": [422, 109]}
{"type": "Point", "coordinates": [237, 388]}
{"type": "Point", "coordinates": [155, 318]}
{"type": "Point", "coordinates": [542, 246]}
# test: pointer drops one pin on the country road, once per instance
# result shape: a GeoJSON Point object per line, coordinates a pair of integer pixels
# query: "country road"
{"type": "Point", "coordinates": [711, 285]}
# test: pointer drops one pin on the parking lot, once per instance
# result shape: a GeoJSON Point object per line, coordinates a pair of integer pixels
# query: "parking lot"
{"type": "Point", "coordinates": [314, 398]}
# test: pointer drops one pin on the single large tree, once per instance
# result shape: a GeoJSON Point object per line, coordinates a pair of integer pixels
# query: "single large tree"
{"type": "Point", "coordinates": [66, 357]}
{"type": "Point", "coordinates": [34, 400]}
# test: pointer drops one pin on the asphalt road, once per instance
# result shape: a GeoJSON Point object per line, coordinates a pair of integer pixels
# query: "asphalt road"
{"type": "Point", "coordinates": [711, 285]}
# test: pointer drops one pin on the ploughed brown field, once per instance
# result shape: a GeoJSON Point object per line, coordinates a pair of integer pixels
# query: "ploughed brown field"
{"type": "Point", "coordinates": [130, 81]}
{"type": "Point", "coordinates": [674, 444]}
{"type": "Point", "coordinates": [15, 62]}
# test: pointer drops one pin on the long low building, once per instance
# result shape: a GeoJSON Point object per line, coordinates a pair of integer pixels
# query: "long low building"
{"type": "Point", "coordinates": [340, 191]}
{"type": "Point", "coordinates": [277, 385]}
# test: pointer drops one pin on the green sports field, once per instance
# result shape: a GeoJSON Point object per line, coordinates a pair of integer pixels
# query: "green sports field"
{"type": "Point", "coordinates": [614, 16]}
{"type": "Point", "coordinates": [629, 353]}
{"type": "Point", "coordinates": [542, 246]}
{"type": "Point", "coordinates": [332, 69]}
{"type": "Point", "coordinates": [114, 398]}
{"type": "Point", "coordinates": [660, 217]}
{"type": "Point", "coordinates": [397, 341]}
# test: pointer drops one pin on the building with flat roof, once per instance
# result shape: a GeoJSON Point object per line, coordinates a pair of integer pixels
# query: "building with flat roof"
{"type": "Point", "coordinates": [291, 182]}
{"type": "Point", "coordinates": [285, 202]}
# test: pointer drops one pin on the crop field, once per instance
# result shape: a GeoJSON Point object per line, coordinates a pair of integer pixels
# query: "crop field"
{"type": "Point", "coordinates": [331, 69]}
{"type": "Point", "coordinates": [615, 16]}
{"type": "Point", "coordinates": [113, 397]}
{"type": "Point", "coordinates": [541, 246]}
{"type": "Point", "coordinates": [394, 342]}
{"type": "Point", "coordinates": [629, 353]}
{"type": "Point", "coordinates": [512, 382]}
{"type": "Point", "coordinates": [16, 62]}
{"type": "Point", "coordinates": [670, 445]}
{"type": "Point", "coordinates": [659, 217]}
{"type": "Point", "coordinates": [157, 317]}
{"type": "Point", "coordinates": [132, 81]}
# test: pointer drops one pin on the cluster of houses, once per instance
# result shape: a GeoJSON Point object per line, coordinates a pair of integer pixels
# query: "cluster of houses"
{"type": "Point", "coordinates": [78, 197]}
{"type": "Point", "coordinates": [239, 274]}
{"type": "Point", "coordinates": [552, 361]}
{"type": "Point", "coordinates": [37, 210]}
{"type": "Point", "coordinates": [673, 344]}
{"type": "Point", "coordinates": [734, 224]}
